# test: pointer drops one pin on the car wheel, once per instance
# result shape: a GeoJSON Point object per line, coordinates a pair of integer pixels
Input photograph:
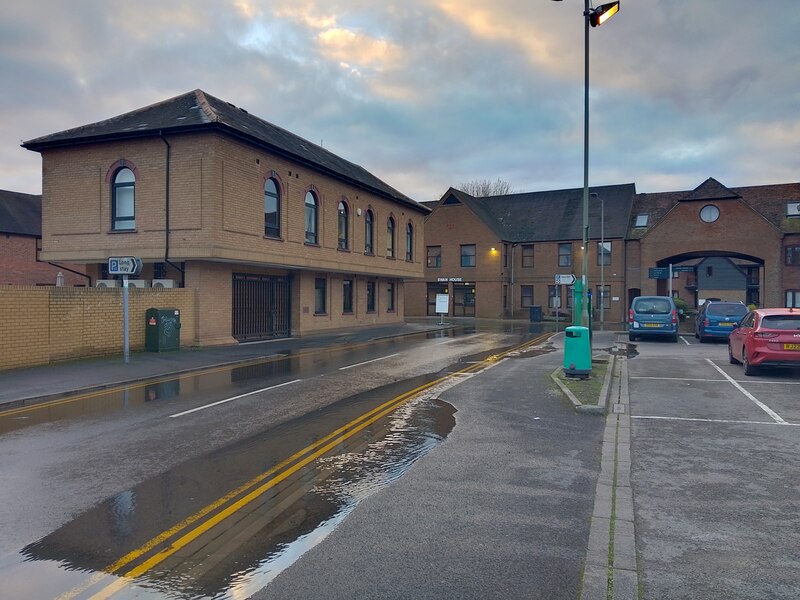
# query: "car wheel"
{"type": "Point", "coordinates": [702, 339]}
{"type": "Point", "coordinates": [731, 360]}
{"type": "Point", "coordinates": [748, 368]}
{"type": "Point", "coordinates": [631, 337]}
{"type": "Point", "coordinates": [696, 336]}
{"type": "Point", "coordinates": [675, 338]}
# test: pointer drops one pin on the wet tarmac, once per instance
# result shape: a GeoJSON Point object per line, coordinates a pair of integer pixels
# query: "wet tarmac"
{"type": "Point", "coordinates": [180, 535]}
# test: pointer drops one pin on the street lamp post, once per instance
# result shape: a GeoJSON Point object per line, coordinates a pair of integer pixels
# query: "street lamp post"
{"type": "Point", "coordinates": [593, 17]}
{"type": "Point", "coordinates": [601, 258]}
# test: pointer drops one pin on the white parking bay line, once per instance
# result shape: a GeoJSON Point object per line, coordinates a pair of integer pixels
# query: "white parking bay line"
{"type": "Point", "coordinates": [655, 418]}
{"type": "Point", "coordinates": [366, 362]}
{"type": "Point", "coordinates": [758, 402]}
{"type": "Point", "coordinates": [685, 341]}
{"type": "Point", "coordinates": [186, 412]}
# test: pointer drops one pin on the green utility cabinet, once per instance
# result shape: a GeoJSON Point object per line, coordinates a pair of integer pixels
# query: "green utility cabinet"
{"type": "Point", "coordinates": [577, 352]}
{"type": "Point", "coordinates": [162, 330]}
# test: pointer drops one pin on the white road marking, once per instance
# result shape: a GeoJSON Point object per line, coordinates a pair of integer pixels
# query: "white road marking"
{"type": "Point", "coordinates": [684, 340]}
{"type": "Point", "coordinates": [186, 412]}
{"type": "Point", "coordinates": [757, 402]}
{"type": "Point", "coordinates": [714, 420]}
{"type": "Point", "coordinates": [366, 362]}
{"type": "Point", "coordinates": [678, 379]}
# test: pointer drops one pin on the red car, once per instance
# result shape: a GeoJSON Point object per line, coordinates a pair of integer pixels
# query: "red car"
{"type": "Point", "coordinates": [768, 337]}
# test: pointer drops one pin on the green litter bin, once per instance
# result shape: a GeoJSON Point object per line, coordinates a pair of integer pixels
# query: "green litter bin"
{"type": "Point", "coordinates": [162, 329]}
{"type": "Point", "coordinates": [577, 352]}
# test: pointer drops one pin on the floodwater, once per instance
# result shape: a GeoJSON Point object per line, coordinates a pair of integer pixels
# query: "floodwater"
{"type": "Point", "coordinates": [224, 525]}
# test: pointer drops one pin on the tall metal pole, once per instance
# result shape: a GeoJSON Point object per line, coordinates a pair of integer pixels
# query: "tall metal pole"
{"type": "Point", "coordinates": [585, 262]}
{"type": "Point", "coordinates": [602, 263]}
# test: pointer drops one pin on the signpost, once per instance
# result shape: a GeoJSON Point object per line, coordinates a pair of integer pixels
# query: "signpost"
{"type": "Point", "coordinates": [442, 306]}
{"type": "Point", "coordinates": [567, 279]}
{"type": "Point", "coordinates": [124, 265]}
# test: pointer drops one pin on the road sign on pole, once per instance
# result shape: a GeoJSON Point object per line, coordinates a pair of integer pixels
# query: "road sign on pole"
{"type": "Point", "coordinates": [567, 279]}
{"type": "Point", "coordinates": [124, 265]}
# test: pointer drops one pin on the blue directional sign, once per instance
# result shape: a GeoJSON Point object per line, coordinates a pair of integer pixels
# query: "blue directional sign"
{"type": "Point", "coordinates": [124, 265]}
{"type": "Point", "coordinates": [683, 269]}
{"type": "Point", "coordinates": [658, 272]}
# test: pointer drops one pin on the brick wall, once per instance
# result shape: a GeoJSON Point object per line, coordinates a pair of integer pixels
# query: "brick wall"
{"type": "Point", "coordinates": [18, 264]}
{"type": "Point", "coordinates": [39, 325]}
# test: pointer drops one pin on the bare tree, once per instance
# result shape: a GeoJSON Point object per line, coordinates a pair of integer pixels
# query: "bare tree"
{"type": "Point", "coordinates": [481, 188]}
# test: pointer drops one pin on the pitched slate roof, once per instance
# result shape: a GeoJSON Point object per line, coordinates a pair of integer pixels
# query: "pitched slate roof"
{"type": "Point", "coordinates": [199, 111]}
{"type": "Point", "coordinates": [768, 200]}
{"type": "Point", "coordinates": [552, 215]}
{"type": "Point", "coordinates": [20, 214]}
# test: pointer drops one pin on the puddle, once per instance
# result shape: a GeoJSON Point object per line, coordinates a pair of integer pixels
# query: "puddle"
{"type": "Point", "coordinates": [258, 538]}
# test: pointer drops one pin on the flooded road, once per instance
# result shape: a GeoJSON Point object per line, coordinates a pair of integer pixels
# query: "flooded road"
{"type": "Point", "coordinates": [224, 522]}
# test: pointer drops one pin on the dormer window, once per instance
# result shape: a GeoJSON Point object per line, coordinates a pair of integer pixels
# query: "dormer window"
{"type": "Point", "coordinates": [793, 209]}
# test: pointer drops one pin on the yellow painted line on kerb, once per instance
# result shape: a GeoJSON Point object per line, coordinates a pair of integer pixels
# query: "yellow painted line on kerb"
{"type": "Point", "coordinates": [284, 469]}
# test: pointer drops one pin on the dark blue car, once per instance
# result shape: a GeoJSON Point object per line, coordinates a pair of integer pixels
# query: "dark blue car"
{"type": "Point", "coordinates": [716, 320]}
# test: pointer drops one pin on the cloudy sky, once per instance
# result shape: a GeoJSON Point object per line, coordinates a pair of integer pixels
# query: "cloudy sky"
{"type": "Point", "coordinates": [427, 94]}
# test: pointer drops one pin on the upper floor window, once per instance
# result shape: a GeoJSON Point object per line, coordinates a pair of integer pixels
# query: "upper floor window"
{"type": "Point", "coordinates": [369, 233]}
{"type": "Point", "coordinates": [272, 208]}
{"type": "Point", "coordinates": [505, 255]}
{"type": "Point", "coordinates": [312, 207]}
{"type": "Point", "coordinates": [123, 196]}
{"type": "Point", "coordinates": [344, 221]}
{"type": "Point", "coordinates": [792, 298]}
{"type": "Point", "coordinates": [641, 220]}
{"type": "Point", "coordinates": [793, 255]}
{"type": "Point", "coordinates": [565, 255]}
{"type": "Point", "coordinates": [793, 209]}
{"type": "Point", "coordinates": [390, 237]}
{"type": "Point", "coordinates": [409, 242]}
{"type": "Point", "coordinates": [434, 258]}
{"type": "Point", "coordinates": [468, 255]}
{"type": "Point", "coordinates": [527, 256]}
{"type": "Point", "coordinates": [604, 253]}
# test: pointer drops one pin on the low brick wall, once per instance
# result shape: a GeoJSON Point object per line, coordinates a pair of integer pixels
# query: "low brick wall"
{"type": "Point", "coordinates": [39, 325]}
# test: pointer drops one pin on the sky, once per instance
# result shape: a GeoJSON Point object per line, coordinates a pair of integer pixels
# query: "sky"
{"type": "Point", "coordinates": [428, 94]}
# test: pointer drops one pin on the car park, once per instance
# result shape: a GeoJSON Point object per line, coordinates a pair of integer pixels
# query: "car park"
{"type": "Point", "coordinates": [653, 316]}
{"type": "Point", "coordinates": [716, 320]}
{"type": "Point", "coordinates": [766, 337]}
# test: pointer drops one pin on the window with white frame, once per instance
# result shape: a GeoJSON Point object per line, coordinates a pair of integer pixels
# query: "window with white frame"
{"type": "Point", "coordinates": [603, 253]}
{"type": "Point", "coordinates": [123, 201]}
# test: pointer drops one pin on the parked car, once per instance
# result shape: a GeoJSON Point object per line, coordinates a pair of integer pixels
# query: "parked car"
{"type": "Point", "coordinates": [653, 316]}
{"type": "Point", "coordinates": [766, 337]}
{"type": "Point", "coordinates": [717, 319]}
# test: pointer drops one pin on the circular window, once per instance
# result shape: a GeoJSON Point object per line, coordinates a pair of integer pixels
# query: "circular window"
{"type": "Point", "coordinates": [709, 213]}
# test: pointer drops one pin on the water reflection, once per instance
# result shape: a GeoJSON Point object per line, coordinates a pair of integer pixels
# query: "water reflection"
{"type": "Point", "coordinates": [261, 537]}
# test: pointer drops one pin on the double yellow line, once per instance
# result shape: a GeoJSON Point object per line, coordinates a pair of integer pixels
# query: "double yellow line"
{"type": "Point", "coordinates": [256, 487]}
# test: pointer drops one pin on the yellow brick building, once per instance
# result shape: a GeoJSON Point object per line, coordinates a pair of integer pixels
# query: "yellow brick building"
{"type": "Point", "coordinates": [276, 235]}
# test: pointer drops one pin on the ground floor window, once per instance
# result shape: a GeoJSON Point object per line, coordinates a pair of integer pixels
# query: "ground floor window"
{"type": "Point", "coordinates": [463, 299]}
{"type": "Point", "coordinates": [370, 296]}
{"type": "Point", "coordinates": [434, 289]}
{"type": "Point", "coordinates": [793, 299]}
{"type": "Point", "coordinates": [526, 296]}
{"type": "Point", "coordinates": [390, 296]}
{"type": "Point", "coordinates": [320, 285]}
{"type": "Point", "coordinates": [347, 296]}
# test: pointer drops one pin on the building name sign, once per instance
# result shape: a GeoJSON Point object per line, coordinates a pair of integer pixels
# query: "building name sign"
{"type": "Point", "coordinates": [447, 279]}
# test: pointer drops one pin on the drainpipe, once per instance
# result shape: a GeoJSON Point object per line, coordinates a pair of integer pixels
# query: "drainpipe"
{"type": "Point", "coordinates": [511, 290]}
{"type": "Point", "coordinates": [166, 209]}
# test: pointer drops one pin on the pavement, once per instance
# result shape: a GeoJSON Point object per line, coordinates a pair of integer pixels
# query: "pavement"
{"type": "Point", "coordinates": [607, 551]}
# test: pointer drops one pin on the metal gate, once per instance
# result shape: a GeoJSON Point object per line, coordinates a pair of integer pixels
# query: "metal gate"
{"type": "Point", "coordinates": [260, 307]}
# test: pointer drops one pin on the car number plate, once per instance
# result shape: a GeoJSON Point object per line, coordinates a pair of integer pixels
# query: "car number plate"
{"type": "Point", "coordinates": [791, 346]}
{"type": "Point", "coordinates": [652, 325]}
{"type": "Point", "coordinates": [727, 324]}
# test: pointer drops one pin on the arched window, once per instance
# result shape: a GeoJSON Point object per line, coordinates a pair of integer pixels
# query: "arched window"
{"type": "Point", "coordinates": [123, 196]}
{"type": "Point", "coordinates": [343, 220]}
{"type": "Point", "coordinates": [272, 208]}
{"type": "Point", "coordinates": [369, 233]}
{"type": "Point", "coordinates": [311, 218]}
{"type": "Point", "coordinates": [409, 242]}
{"type": "Point", "coordinates": [390, 238]}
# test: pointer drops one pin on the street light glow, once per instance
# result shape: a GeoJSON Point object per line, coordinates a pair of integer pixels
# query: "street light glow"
{"type": "Point", "coordinates": [603, 13]}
